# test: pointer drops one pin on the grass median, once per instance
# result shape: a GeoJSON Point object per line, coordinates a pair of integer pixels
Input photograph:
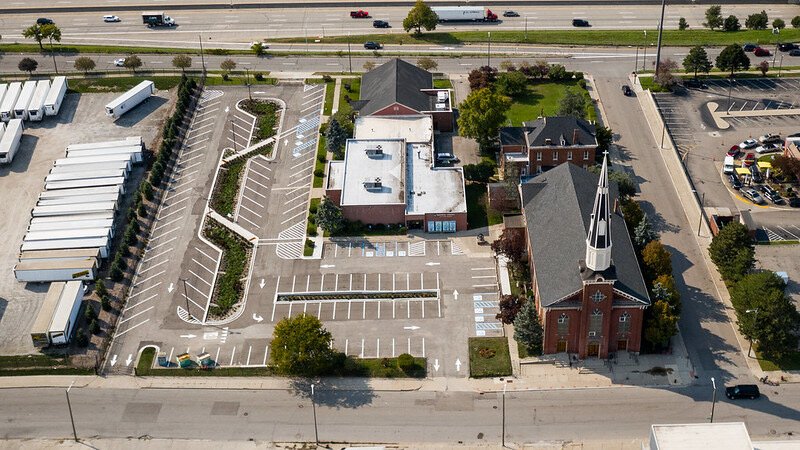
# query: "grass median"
{"type": "Point", "coordinates": [24, 365]}
{"type": "Point", "coordinates": [230, 281]}
{"type": "Point", "coordinates": [489, 357]}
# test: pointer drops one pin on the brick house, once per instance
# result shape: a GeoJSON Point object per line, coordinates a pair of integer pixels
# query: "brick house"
{"type": "Point", "coordinates": [398, 88]}
{"type": "Point", "coordinates": [546, 142]}
{"type": "Point", "coordinates": [590, 292]}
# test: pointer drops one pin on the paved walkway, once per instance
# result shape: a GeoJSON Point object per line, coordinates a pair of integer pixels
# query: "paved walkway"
{"type": "Point", "coordinates": [337, 89]}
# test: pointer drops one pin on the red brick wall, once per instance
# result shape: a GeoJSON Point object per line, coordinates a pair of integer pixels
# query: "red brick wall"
{"type": "Point", "coordinates": [634, 337]}
{"type": "Point", "coordinates": [375, 214]}
{"type": "Point", "coordinates": [335, 195]}
{"type": "Point", "coordinates": [561, 153]}
{"type": "Point", "coordinates": [443, 121]}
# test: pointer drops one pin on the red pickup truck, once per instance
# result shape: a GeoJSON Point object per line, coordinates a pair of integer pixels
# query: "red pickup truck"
{"type": "Point", "coordinates": [360, 14]}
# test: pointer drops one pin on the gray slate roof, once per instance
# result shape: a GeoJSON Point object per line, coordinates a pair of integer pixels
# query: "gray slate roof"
{"type": "Point", "coordinates": [557, 127]}
{"type": "Point", "coordinates": [512, 136]}
{"type": "Point", "coordinates": [558, 206]}
{"type": "Point", "coordinates": [395, 82]}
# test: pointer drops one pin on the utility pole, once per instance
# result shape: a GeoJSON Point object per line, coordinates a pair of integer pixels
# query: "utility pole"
{"type": "Point", "coordinates": [526, 28]}
{"type": "Point", "coordinates": [780, 67]}
{"type": "Point", "coordinates": [636, 61]}
{"type": "Point", "coordinates": [71, 418]}
{"type": "Point", "coordinates": [233, 138]}
{"type": "Point", "coordinates": [52, 53]}
{"type": "Point", "coordinates": [202, 58]}
{"type": "Point", "coordinates": [489, 51]}
{"type": "Point", "coordinates": [713, 398]}
{"type": "Point", "coordinates": [349, 54]}
{"type": "Point", "coordinates": [314, 408]}
{"type": "Point", "coordinates": [660, 31]}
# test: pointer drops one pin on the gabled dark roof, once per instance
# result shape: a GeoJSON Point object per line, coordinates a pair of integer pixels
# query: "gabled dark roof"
{"type": "Point", "coordinates": [512, 136]}
{"type": "Point", "coordinates": [558, 205]}
{"type": "Point", "coordinates": [395, 82]}
{"type": "Point", "coordinates": [557, 128]}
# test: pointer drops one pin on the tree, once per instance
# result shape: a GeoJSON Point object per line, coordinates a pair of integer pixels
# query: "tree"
{"type": "Point", "coordinates": [796, 22]}
{"type": "Point", "coordinates": [132, 62]}
{"type": "Point", "coordinates": [540, 68]}
{"type": "Point", "coordinates": [733, 58]}
{"type": "Point", "coordinates": [227, 65]}
{"type": "Point", "coordinates": [757, 21]}
{"type": "Point", "coordinates": [626, 188]}
{"type": "Point", "coordinates": [604, 137]}
{"type": "Point", "coordinates": [527, 329]}
{"type": "Point", "coordinates": [657, 260]}
{"type": "Point", "coordinates": [557, 72]}
{"type": "Point", "coordinates": [643, 233]}
{"type": "Point", "coordinates": [427, 63]}
{"type": "Point", "coordinates": [301, 346]}
{"type": "Point", "coordinates": [572, 104]}
{"type": "Point", "coordinates": [258, 49]}
{"type": "Point", "coordinates": [105, 303]}
{"type": "Point", "coordinates": [510, 305]}
{"type": "Point", "coordinates": [632, 213]}
{"type": "Point", "coordinates": [697, 61]}
{"type": "Point", "coordinates": [182, 62]}
{"type": "Point", "coordinates": [787, 166]}
{"type": "Point", "coordinates": [420, 16]}
{"type": "Point", "coordinates": [84, 64]}
{"type": "Point", "coordinates": [664, 289]}
{"type": "Point", "coordinates": [480, 172]}
{"type": "Point", "coordinates": [89, 313]}
{"type": "Point", "coordinates": [511, 245]}
{"type": "Point", "coordinates": [369, 65]}
{"type": "Point", "coordinates": [34, 32]}
{"type": "Point", "coordinates": [732, 251]}
{"type": "Point", "coordinates": [661, 324]}
{"type": "Point", "coordinates": [664, 76]}
{"type": "Point", "coordinates": [779, 24]}
{"type": "Point", "coordinates": [100, 288]}
{"type": "Point", "coordinates": [81, 339]}
{"type": "Point", "coordinates": [330, 217]}
{"type": "Point", "coordinates": [763, 67]}
{"type": "Point", "coordinates": [682, 24]}
{"type": "Point", "coordinates": [511, 84]}
{"type": "Point", "coordinates": [482, 114]}
{"type": "Point", "coordinates": [483, 77]}
{"type": "Point", "coordinates": [731, 24]}
{"type": "Point", "coordinates": [713, 17]}
{"type": "Point", "coordinates": [28, 65]}
{"type": "Point", "coordinates": [94, 326]}
{"type": "Point", "coordinates": [335, 138]}
{"type": "Point", "coordinates": [52, 33]}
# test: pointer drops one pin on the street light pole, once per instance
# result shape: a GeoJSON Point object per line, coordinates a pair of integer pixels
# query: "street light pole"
{"type": "Point", "coordinates": [702, 205]}
{"type": "Point", "coordinates": [202, 58]}
{"type": "Point", "coordinates": [755, 319]}
{"type": "Point", "coordinates": [660, 32]}
{"type": "Point", "coordinates": [71, 418]}
{"type": "Point", "coordinates": [314, 409]}
{"type": "Point", "coordinates": [526, 28]}
{"type": "Point", "coordinates": [489, 50]}
{"type": "Point", "coordinates": [247, 81]}
{"type": "Point", "coordinates": [644, 56]}
{"type": "Point", "coordinates": [185, 292]}
{"type": "Point", "coordinates": [713, 398]}
{"type": "Point", "coordinates": [349, 54]}
{"type": "Point", "coordinates": [503, 438]}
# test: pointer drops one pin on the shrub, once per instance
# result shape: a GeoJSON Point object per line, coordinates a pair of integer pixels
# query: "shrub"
{"type": "Point", "coordinates": [319, 173]}
{"type": "Point", "coordinates": [406, 362]}
{"type": "Point", "coordinates": [81, 340]}
{"type": "Point", "coordinates": [313, 208]}
{"type": "Point", "coordinates": [94, 326]}
{"type": "Point", "coordinates": [142, 211]}
{"type": "Point", "coordinates": [105, 303]}
{"type": "Point", "coordinates": [311, 229]}
{"type": "Point", "coordinates": [100, 288]}
{"type": "Point", "coordinates": [327, 78]}
{"type": "Point", "coordinates": [90, 313]}
{"type": "Point", "coordinates": [310, 243]}
{"type": "Point", "coordinates": [796, 22]}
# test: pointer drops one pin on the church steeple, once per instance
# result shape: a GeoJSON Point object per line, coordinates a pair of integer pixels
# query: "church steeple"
{"type": "Point", "coordinates": [598, 241]}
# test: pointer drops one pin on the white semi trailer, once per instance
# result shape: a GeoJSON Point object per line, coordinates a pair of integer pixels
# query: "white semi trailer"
{"type": "Point", "coordinates": [65, 244]}
{"type": "Point", "coordinates": [9, 143]}
{"type": "Point", "coordinates": [464, 14]}
{"type": "Point", "coordinates": [135, 152]}
{"type": "Point", "coordinates": [87, 183]}
{"type": "Point", "coordinates": [66, 314]}
{"type": "Point", "coordinates": [25, 96]}
{"type": "Point", "coordinates": [130, 99]}
{"type": "Point", "coordinates": [127, 142]}
{"type": "Point", "coordinates": [55, 97]}
{"type": "Point", "coordinates": [9, 100]}
{"type": "Point", "coordinates": [36, 106]}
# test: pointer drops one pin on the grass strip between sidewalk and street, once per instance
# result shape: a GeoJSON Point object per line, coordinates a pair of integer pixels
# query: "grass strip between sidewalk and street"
{"type": "Point", "coordinates": [790, 362]}
{"type": "Point", "coordinates": [24, 365]}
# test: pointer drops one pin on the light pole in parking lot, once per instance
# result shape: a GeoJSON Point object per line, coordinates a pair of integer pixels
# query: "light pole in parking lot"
{"type": "Point", "coordinates": [755, 318]}
{"type": "Point", "coordinates": [186, 295]}
{"type": "Point", "coordinates": [202, 58]}
{"type": "Point", "coordinates": [314, 409]}
{"type": "Point", "coordinates": [713, 398]}
{"type": "Point", "coordinates": [660, 32]}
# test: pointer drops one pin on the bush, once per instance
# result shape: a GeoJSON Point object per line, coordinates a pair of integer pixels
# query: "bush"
{"type": "Point", "coordinates": [310, 243]}
{"type": "Point", "coordinates": [582, 83]}
{"type": "Point", "coordinates": [94, 326]}
{"type": "Point", "coordinates": [406, 362]}
{"type": "Point", "coordinates": [100, 288]}
{"type": "Point", "coordinates": [89, 312]}
{"type": "Point", "coordinates": [142, 211]}
{"type": "Point", "coordinates": [796, 22]}
{"type": "Point", "coordinates": [327, 78]}
{"type": "Point", "coordinates": [313, 208]}
{"type": "Point", "coordinates": [147, 190]}
{"type": "Point", "coordinates": [319, 173]}
{"type": "Point", "coordinates": [311, 229]}
{"type": "Point", "coordinates": [259, 76]}
{"type": "Point", "coordinates": [105, 303]}
{"type": "Point", "coordinates": [81, 339]}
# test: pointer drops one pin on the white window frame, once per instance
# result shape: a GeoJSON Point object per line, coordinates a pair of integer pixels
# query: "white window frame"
{"type": "Point", "coordinates": [569, 155]}
{"type": "Point", "coordinates": [586, 155]}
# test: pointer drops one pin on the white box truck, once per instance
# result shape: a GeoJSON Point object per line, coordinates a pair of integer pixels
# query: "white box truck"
{"type": "Point", "coordinates": [25, 96]}
{"type": "Point", "coordinates": [52, 104]}
{"type": "Point", "coordinates": [127, 142]}
{"type": "Point", "coordinates": [91, 182]}
{"type": "Point", "coordinates": [36, 106]}
{"type": "Point", "coordinates": [66, 313]}
{"type": "Point", "coordinates": [464, 14]}
{"type": "Point", "coordinates": [64, 244]}
{"type": "Point", "coordinates": [9, 143]}
{"type": "Point", "coordinates": [47, 271]}
{"type": "Point", "coordinates": [130, 99]}
{"type": "Point", "coordinates": [41, 326]}
{"type": "Point", "coordinates": [9, 100]}
{"type": "Point", "coordinates": [135, 152]}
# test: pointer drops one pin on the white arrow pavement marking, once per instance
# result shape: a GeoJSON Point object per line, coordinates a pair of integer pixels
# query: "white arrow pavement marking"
{"type": "Point", "coordinates": [327, 266]}
{"type": "Point", "coordinates": [458, 365]}
{"type": "Point", "coordinates": [455, 294]}
{"type": "Point", "coordinates": [171, 288]}
{"type": "Point", "coordinates": [261, 285]}
{"type": "Point", "coordinates": [432, 264]}
{"type": "Point", "coordinates": [259, 92]}
{"type": "Point", "coordinates": [188, 336]}
{"type": "Point", "coordinates": [129, 360]}
{"type": "Point", "coordinates": [113, 360]}
{"type": "Point", "coordinates": [227, 108]}
{"type": "Point", "coordinates": [285, 142]}
{"type": "Point", "coordinates": [436, 365]}
{"type": "Point", "coordinates": [412, 328]}
{"type": "Point", "coordinates": [257, 318]}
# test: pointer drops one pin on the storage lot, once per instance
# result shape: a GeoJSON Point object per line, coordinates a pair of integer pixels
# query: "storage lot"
{"type": "Point", "coordinates": [81, 119]}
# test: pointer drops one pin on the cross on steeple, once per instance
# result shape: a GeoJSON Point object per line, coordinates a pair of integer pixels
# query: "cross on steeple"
{"type": "Point", "coordinates": [598, 240]}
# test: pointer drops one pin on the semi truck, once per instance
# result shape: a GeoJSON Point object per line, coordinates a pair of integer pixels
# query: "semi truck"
{"type": "Point", "coordinates": [25, 96]}
{"type": "Point", "coordinates": [157, 19]}
{"type": "Point", "coordinates": [56, 270]}
{"type": "Point", "coordinates": [9, 100]}
{"type": "Point", "coordinates": [464, 14]}
{"type": "Point", "coordinates": [66, 313]}
{"type": "Point", "coordinates": [130, 99]}
{"type": "Point", "coordinates": [45, 317]}
{"type": "Point", "coordinates": [58, 89]}
{"type": "Point", "coordinates": [36, 106]}
{"type": "Point", "coordinates": [9, 143]}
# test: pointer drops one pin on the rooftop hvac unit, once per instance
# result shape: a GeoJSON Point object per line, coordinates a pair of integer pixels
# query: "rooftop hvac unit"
{"type": "Point", "coordinates": [441, 106]}
{"type": "Point", "coordinates": [441, 96]}
{"type": "Point", "coordinates": [377, 151]}
{"type": "Point", "coordinates": [373, 184]}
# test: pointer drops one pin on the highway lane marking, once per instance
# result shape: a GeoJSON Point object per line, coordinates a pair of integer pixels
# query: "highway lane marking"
{"type": "Point", "coordinates": [132, 327]}
{"type": "Point", "coordinates": [136, 315]}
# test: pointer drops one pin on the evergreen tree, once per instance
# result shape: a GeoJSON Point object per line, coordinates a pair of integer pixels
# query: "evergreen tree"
{"type": "Point", "coordinates": [528, 330]}
{"type": "Point", "coordinates": [335, 138]}
{"type": "Point", "coordinates": [643, 233]}
{"type": "Point", "coordinates": [697, 61]}
{"type": "Point", "coordinates": [330, 217]}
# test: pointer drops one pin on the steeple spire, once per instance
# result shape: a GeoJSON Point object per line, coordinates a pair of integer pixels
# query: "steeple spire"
{"type": "Point", "coordinates": [598, 241]}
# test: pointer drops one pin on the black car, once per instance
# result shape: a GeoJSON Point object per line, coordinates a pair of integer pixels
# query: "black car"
{"type": "Point", "coordinates": [787, 47]}
{"type": "Point", "coordinates": [695, 83]}
{"type": "Point", "coordinates": [580, 23]}
{"type": "Point", "coordinates": [749, 47]}
{"type": "Point", "coordinates": [510, 14]}
{"type": "Point", "coordinates": [772, 195]}
{"type": "Point", "coordinates": [626, 90]}
{"type": "Point", "coordinates": [372, 45]}
{"type": "Point", "coordinates": [734, 180]}
{"type": "Point", "coordinates": [757, 177]}
{"type": "Point", "coordinates": [795, 52]}
{"type": "Point", "coordinates": [742, 391]}
{"type": "Point", "coordinates": [44, 21]}
{"type": "Point", "coordinates": [380, 24]}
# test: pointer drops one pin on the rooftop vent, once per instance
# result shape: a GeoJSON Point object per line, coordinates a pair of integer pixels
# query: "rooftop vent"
{"type": "Point", "coordinates": [441, 96]}
{"type": "Point", "coordinates": [374, 152]}
{"type": "Point", "coordinates": [373, 184]}
{"type": "Point", "coordinates": [548, 141]}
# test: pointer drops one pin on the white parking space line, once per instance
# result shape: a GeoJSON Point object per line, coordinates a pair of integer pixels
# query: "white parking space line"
{"type": "Point", "coordinates": [153, 266]}
{"type": "Point", "coordinates": [294, 207]}
{"type": "Point", "coordinates": [157, 255]}
{"type": "Point", "coordinates": [198, 290]}
{"type": "Point", "coordinates": [141, 302]}
{"type": "Point", "coordinates": [165, 233]}
{"type": "Point", "coordinates": [300, 179]}
{"type": "Point", "coordinates": [248, 221]}
{"type": "Point", "coordinates": [293, 217]}
{"type": "Point", "coordinates": [204, 267]}
{"type": "Point", "coordinates": [301, 163]}
{"type": "Point", "coordinates": [121, 333]}
{"type": "Point", "coordinates": [250, 210]}
{"type": "Point", "coordinates": [143, 290]}
{"type": "Point", "coordinates": [173, 212]}
{"type": "Point", "coordinates": [136, 315]}
{"type": "Point", "coordinates": [139, 283]}
{"type": "Point", "coordinates": [200, 278]}
{"type": "Point", "coordinates": [248, 188]}
{"type": "Point", "coordinates": [256, 163]}
{"type": "Point", "coordinates": [206, 255]}
{"type": "Point", "coordinates": [296, 198]}
{"type": "Point", "coordinates": [191, 301]}
{"type": "Point", "coordinates": [250, 180]}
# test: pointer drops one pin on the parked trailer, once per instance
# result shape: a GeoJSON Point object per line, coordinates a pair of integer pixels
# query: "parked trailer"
{"type": "Point", "coordinates": [2, 130]}
{"type": "Point", "coordinates": [79, 199]}
{"type": "Point", "coordinates": [74, 217]}
{"type": "Point", "coordinates": [464, 14]}
{"type": "Point", "coordinates": [73, 225]}
{"type": "Point", "coordinates": [63, 193]}
{"type": "Point", "coordinates": [66, 313]}
{"type": "Point", "coordinates": [53, 235]}
{"type": "Point", "coordinates": [66, 270]}
{"type": "Point", "coordinates": [52, 104]}
{"type": "Point", "coordinates": [118, 165]}
{"type": "Point", "coordinates": [9, 143]}
{"type": "Point", "coordinates": [9, 100]}
{"type": "Point", "coordinates": [36, 106]}
{"type": "Point", "coordinates": [66, 210]}
{"type": "Point", "coordinates": [25, 96]}
{"type": "Point", "coordinates": [135, 152]}
{"type": "Point", "coordinates": [3, 90]}
{"type": "Point", "coordinates": [92, 160]}
{"type": "Point", "coordinates": [63, 244]}
{"type": "Point", "coordinates": [67, 176]}
{"type": "Point", "coordinates": [54, 255]}
{"type": "Point", "coordinates": [130, 99]}
{"type": "Point", "coordinates": [127, 142]}
{"type": "Point", "coordinates": [41, 326]}
{"type": "Point", "coordinates": [93, 182]}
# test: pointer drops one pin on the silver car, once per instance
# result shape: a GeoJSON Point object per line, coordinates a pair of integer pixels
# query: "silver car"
{"type": "Point", "coordinates": [753, 196]}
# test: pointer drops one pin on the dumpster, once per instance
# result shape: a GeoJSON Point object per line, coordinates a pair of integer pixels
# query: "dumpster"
{"type": "Point", "coordinates": [204, 359]}
{"type": "Point", "coordinates": [162, 359]}
{"type": "Point", "coordinates": [184, 360]}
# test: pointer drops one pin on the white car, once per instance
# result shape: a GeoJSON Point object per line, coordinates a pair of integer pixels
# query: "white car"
{"type": "Point", "coordinates": [767, 148]}
{"type": "Point", "coordinates": [111, 19]}
{"type": "Point", "coordinates": [749, 143]}
{"type": "Point", "coordinates": [119, 62]}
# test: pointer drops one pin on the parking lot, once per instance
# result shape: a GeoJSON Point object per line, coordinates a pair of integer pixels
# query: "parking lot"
{"type": "Point", "coordinates": [81, 119]}
{"type": "Point", "coordinates": [782, 258]}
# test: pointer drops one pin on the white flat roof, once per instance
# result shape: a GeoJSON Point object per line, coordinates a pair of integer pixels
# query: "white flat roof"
{"type": "Point", "coordinates": [335, 175]}
{"type": "Point", "coordinates": [414, 129]}
{"type": "Point", "coordinates": [386, 168]}
{"type": "Point", "coordinates": [435, 190]}
{"type": "Point", "coordinates": [701, 436]}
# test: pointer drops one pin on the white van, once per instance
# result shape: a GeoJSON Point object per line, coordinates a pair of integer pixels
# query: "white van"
{"type": "Point", "coordinates": [728, 166]}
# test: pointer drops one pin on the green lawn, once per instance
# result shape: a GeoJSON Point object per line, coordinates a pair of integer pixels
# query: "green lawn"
{"type": "Point", "coordinates": [119, 84]}
{"type": "Point", "coordinates": [442, 83]}
{"type": "Point", "coordinates": [238, 80]}
{"type": "Point", "coordinates": [319, 165]}
{"type": "Point", "coordinates": [791, 362]}
{"type": "Point", "coordinates": [478, 214]}
{"type": "Point", "coordinates": [23, 365]}
{"type": "Point", "coordinates": [233, 268]}
{"type": "Point", "coordinates": [116, 49]}
{"type": "Point", "coordinates": [354, 93]}
{"type": "Point", "coordinates": [489, 357]}
{"type": "Point", "coordinates": [543, 98]}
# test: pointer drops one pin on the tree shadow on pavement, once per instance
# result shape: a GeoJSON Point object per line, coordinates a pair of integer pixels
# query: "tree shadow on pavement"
{"type": "Point", "coordinates": [335, 392]}
{"type": "Point", "coordinates": [657, 221]}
